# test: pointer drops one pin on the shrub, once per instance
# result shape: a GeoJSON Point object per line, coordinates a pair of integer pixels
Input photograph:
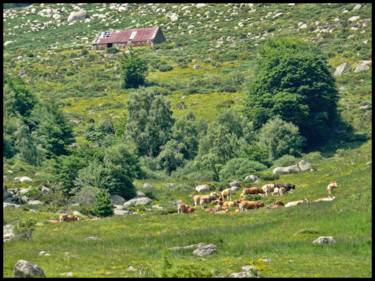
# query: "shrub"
{"type": "Point", "coordinates": [253, 197]}
{"type": "Point", "coordinates": [111, 50]}
{"type": "Point", "coordinates": [34, 193]}
{"type": "Point", "coordinates": [165, 67]}
{"type": "Point", "coordinates": [269, 177]}
{"type": "Point", "coordinates": [103, 206]}
{"type": "Point", "coordinates": [285, 160]}
{"type": "Point", "coordinates": [239, 168]}
{"type": "Point", "coordinates": [24, 229]}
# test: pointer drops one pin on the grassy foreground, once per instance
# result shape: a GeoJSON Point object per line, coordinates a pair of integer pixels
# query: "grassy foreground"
{"type": "Point", "coordinates": [277, 241]}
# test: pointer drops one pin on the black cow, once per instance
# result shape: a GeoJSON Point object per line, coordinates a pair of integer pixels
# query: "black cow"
{"type": "Point", "coordinates": [287, 186]}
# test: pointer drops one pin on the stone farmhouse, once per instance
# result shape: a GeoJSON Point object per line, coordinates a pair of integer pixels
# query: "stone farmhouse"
{"type": "Point", "coordinates": [131, 37]}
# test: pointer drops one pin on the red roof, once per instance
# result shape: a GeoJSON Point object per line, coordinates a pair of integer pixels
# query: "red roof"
{"type": "Point", "coordinates": [139, 35]}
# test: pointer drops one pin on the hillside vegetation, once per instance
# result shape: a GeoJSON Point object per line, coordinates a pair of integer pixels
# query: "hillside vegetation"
{"type": "Point", "coordinates": [236, 89]}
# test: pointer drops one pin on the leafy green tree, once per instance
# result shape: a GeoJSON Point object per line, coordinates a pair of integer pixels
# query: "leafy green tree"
{"type": "Point", "coordinates": [149, 121]}
{"type": "Point", "coordinates": [92, 175]}
{"type": "Point", "coordinates": [216, 148]}
{"type": "Point", "coordinates": [133, 70]}
{"type": "Point", "coordinates": [100, 133]}
{"type": "Point", "coordinates": [280, 137]}
{"type": "Point", "coordinates": [237, 124]}
{"type": "Point", "coordinates": [103, 206]}
{"type": "Point", "coordinates": [27, 147]}
{"type": "Point", "coordinates": [293, 81]}
{"type": "Point", "coordinates": [51, 128]}
{"type": "Point", "coordinates": [255, 152]}
{"type": "Point", "coordinates": [18, 97]}
{"type": "Point", "coordinates": [170, 158]}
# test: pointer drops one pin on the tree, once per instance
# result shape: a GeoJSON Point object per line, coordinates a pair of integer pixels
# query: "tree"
{"type": "Point", "coordinates": [51, 128]}
{"type": "Point", "coordinates": [133, 70]}
{"type": "Point", "coordinates": [293, 81]}
{"type": "Point", "coordinates": [238, 168]}
{"type": "Point", "coordinates": [280, 137]}
{"type": "Point", "coordinates": [103, 206]}
{"type": "Point", "coordinates": [100, 133]}
{"type": "Point", "coordinates": [149, 121]}
{"type": "Point", "coordinates": [216, 148]}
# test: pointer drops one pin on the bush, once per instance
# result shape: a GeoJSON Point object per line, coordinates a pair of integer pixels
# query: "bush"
{"type": "Point", "coordinates": [34, 194]}
{"type": "Point", "coordinates": [24, 229]}
{"type": "Point", "coordinates": [285, 160]}
{"type": "Point", "coordinates": [269, 176]}
{"type": "Point", "coordinates": [103, 206]}
{"type": "Point", "coordinates": [165, 67]}
{"type": "Point", "coordinates": [240, 168]}
{"type": "Point", "coordinates": [111, 50]}
{"type": "Point", "coordinates": [253, 197]}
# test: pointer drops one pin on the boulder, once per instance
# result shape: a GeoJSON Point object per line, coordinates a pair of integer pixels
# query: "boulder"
{"type": "Point", "coordinates": [170, 185]}
{"type": "Point", "coordinates": [203, 188]}
{"type": "Point", "coordinates": [10, 205]}
{"type": "Point", "coordinates": [209, 249]}
{"type": "Point", "coordinates": [24, 191]}
{"type": "Point", "coordinates": [304, 166]}
{"type": "Point", "coordinates": [157, 207]}
{"type": "Point", "coordinates": [117, 199]}
{"type": "Point", "coordinates": [45, 190]}
{"type": "Point", "coordinates": [25, 269]}
{"type": "Point", "coordinates": [8, 234]}
{"type": "Point", "coordinates": [6, 194]}
{"type": "Point", "coordinates": [78, 214]}
{"type": "Point", "coordinates": [234, 183]}
{"type": "Point", "coordinates": [324, 240]}
{"type": "Point", "coordinates": [174, 17]}
{"type": "Point", "coordinates": [82, 14]}
{"type": "Point", "coordinates": [201, 5]}
{"type": "Point", "coordinates": [362, 66]}
{"type": "Point", "coordinates": [34, 202]}
{"type": "Point", "coordinates": [135, 201]}
{"type": "Point", "coordinates": [357, 7]}
{"type": "Point", "coordinates": [22, 179]}
{"type": "Point", "coordinates": [252, 177]}
{"type": "Point", "coordinates": [196, 66]}
{"type": "Point", "coordinates": [286, 170]}
{"type": "Point", "coordinates": [92, 238]}
{"type": "Point", "coordinates": [190, 247]}
{"type": "Point", "coordinates": [234, 188]}
{"type": "Point", "coordinates": [119, 212]}
{"type": "Point", "coordinates": [140, 194]}
{"type": "Point", "coordinates": [148, 186]}
{"type": "Point", "coordinates": [355, 18]}
{"type": "Point", "coordinates": [340, 69]}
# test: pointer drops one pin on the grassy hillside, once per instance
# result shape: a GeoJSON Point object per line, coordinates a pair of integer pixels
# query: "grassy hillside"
{"type": "Point", "coordinates": [56, 61]}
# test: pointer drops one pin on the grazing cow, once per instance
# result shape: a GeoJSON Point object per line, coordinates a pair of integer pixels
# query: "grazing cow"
{"type": "Point", "coordinates": [63, 217]}
{"type": "Point", "coordinates": [224, 211]}
{"type": "Point", "coordinates": [251, 190]}
{"type": "Point", "coordinates": [237, 202]}
{"type": "Point", "coordinates": [225, 194]}
{"type": "Point", "coordinates": [72, 218]}
{"type": "Point", "coordinates": [246, 205]}
{"type": "Point", "coordinates": [184, 209]}
{"type": "Point", "coordinates": [268, 188]}
{"type": "Point", "coordinates": [276, 204]}
{"type": "Point", "coordinates": [328, 198]}
{"type": "Point", "coordinates": [228, 204]}
{"type": "Point", "coordinates": [288, 186]}
{"type": "Point", "coordinates": [279, 191]}
{"type": "Point", "coordinates": [331, 186]}
{"type": "Point", "coordinates": [197, 198]}
{"type": "Point", "coordinates": [295, 203]}
{"type": "Point", "coordinates": [205, 199]}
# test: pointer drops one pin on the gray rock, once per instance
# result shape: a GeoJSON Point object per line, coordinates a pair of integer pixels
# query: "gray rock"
{"type": "Point", "coordinates": [239, 274]}
{"type": "Point", "coordinates": [362, 66]}
{"type": "Point", "coordinates": [203, 188]}
{"type": "Point", "coordinates": [252, 177]}
{"type": "Point", "coordinates": [43, 253]}
{"type": "Point", "coordinates": [34, 202]}
{"type": "Point", "coordinates": [140, 194]}
{"type": "Point", "coordinates": [234, 183]}
{"type": "Point", "coordinates": [148, 186]}
{"type": "Point", "coordinates": [196, 66]}
{"type": "Point", "coordinates": [135, 201]}
{"type": "Point", "coordinates": [24, 191]}
{"type": "Point", "coordinates": [157, 207]}
{"type": "Point", "coordinates": [340, 69]}
{"type": "Point", "coordinates": [27, 269]}
{"type": "Point", "coordinates": [45, 190]}
{"type": "Point", "coordinates": [170, 185]}
{"type": "Point", "coordinates": [6, 194]}
{"type": "Point", "coordinates": [76, 213]}
{"type": "Point", "coordinates": [209, 249]}
{"type": "Point", "coordinates": [190, 247]}
{"type": "Point", "coordinates": [67, 274]}
{"type": "Point", "coordinates": [130, 268]}
{"type": "Point", "coordinates": [92, 238]}
{"type": "Point", "coordinates": [82, 14]}
{"type": "Point", "coordinates": [10, 205]}
{"type": "Point", "coordinates": [286, 170]}
{"type": "Point", "coordinates": [22, 179]}
{"type": "Point", "coordinates": [304, 166]}
{"type": "Point", "coordinates": [118, 212]}
{"type": "Point", "coordinates": [8, 234]}
{"type": "Point", "coordinates": [234, 188]}
{"type": "Point", "coordinates": [324, 240]}
{"type": "Point", "coordinates": [117, 199]}
{"type": "Point", "coordinates": [357, 7]}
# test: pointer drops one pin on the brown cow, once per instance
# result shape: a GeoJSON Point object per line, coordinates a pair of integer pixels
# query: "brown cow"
{"type": "Point", "coordinates": [252, 190]}
{"type": "Point", "coordinates": [276, 204]}
{"type": "Point", "coordinates": [185, 209]}
{"type": "Point", "coordinates": [331, 186]}
{"type": "Point", "coordinates": [72, 218]}
{"type": "Point", "coordinates": [228, 204]}
{"type": "Point", "coordinates": [226, 193]}
{"type": "Point", "coordinates": [237, 202]}
{"type": "Point", "coordinates": [212, 196]}
{"type": "Point", "coordinates": [246, 205]}
{"type": "Point", "coordinates": [224, 211]}
{"type": "Point", "coordinates": [63, 217]}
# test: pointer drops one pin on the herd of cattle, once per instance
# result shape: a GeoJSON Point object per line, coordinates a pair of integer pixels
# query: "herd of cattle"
{"type": "Point", "coordinates": [222, 206]}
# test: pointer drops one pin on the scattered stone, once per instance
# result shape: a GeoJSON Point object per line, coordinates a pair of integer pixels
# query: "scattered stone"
{"type": "Point", "coordinates": [196, 66]}
{"type": "Point", "coordinates": [130, 268]}
{"type": "Point", "coordinates": [209, 249]}
{"type": "Point", "coordinates": [201, 5]}
{"type": "Point", "coordinates": [77, 16]}
{"type": "Point", "coordinates": [44, 253]}
{"type": "Point", "coordinates": [117, 199]}
{"type": "Point", "coordinates": [135, 201]}
{"type": "Point", "coordinates": [45, 190]}
{"type": "Point", "coordinates": [304, 166]}
{"type": "Point", "coordinates": [22, 179]}
{"type": "Point", "coordinates": [140, 194]}
{"type": "Point", "coordinates": [92, 238]}
{"type": "Point", "coordinates": [357, 7]}
{"type": "Point", "coordinates": [362, 66]}
{"type": "Point", "coordinates": [234, 183]}
{"type": "Point", "coordinates": [193, 246]}
{"type": "Point", "coordinates": [286, 170]}
{"type": "Point", "coordinates": [8, 234]}
{"type": "Point", "coordinates": [324, 240]}
{"type": "Point", "coordinates": [67, 274]}
{"type": "Point", "coordinates": [340, 69]}
{"type": "Point", "coordinates": [27, 269]}
{"type": "Point", "coordinates": [119, 212]}
{"type": "Point", "coordinates": [355, 18]}
{"type": "Point", "coordinates": [157, 207]}
{"type": "Point", "coordinates": [203, 188]}
{"type": "Point", "coordinates": [148, 186]}
{"type": "Point", "coordinates": [78, 214]}
{"type": "Point", "coordinates": [34, 202]}
{"type": "Point", "coordinates": [10, 205]}
{"type": "Point", "coordinates": [170, 185]}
